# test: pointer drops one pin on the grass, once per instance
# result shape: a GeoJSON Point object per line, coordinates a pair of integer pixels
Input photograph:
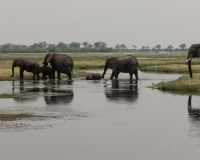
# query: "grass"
{"type": "Point", "coordinates": [162, 63]}
{"type": "Point", "coordinates": [184, 85]}
{"type": "Point", "coordinates": [14, 117]}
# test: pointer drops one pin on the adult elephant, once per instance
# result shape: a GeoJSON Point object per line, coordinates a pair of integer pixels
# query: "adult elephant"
{"type": "Point", "coordinates": [194, 51]}
{"type": "Point", "coordinates": [27, 65]}
{"type": "Point", "coordinates": [60, 63]}
{"type": "Point", "coordinates": [128, 64]}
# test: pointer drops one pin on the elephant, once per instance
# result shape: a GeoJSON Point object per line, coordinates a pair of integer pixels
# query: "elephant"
{"type": "Point", "coordinates": [93, 76]}
{"type": "Point", "coordinates": [27, 65]}
{"type": "Point", "coordinates": [60, 63]}
{"type": "Point", "coordinates": [128, 64]}
{"type": "Point", "coordinates": [194, 51]}
{"type": "Point", "coordinates": [46, 70]}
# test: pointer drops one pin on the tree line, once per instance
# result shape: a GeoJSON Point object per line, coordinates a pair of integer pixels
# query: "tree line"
{"type": "Point", "coordinates": [43, 47]}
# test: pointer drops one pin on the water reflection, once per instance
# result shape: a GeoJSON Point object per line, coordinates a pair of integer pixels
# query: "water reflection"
{"type": "Point", "coordinates": [53, 91]}
{"type": "Point", "coordinates": [122, 91]}
{"type": "Point", "coordinates": [59, 99]}
{"type": "Point", "coordinates": [194, 119]}
{"type": "Point", "coordinates": [192, 111]}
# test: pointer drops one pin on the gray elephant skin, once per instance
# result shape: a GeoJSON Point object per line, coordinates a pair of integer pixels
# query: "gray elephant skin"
{"type": "Point", "coordinates": [60, 63]}
{"type": "Point", "coordinates": [93, 76]}
{"type": "Point", "coordinates": [46, 71]}
{"type": "Point", "coordinates": [27, 65]}
{"type": "Point", "coordinates": [194, 51]}
{"type": "Point", "coordinates": [128, 64]}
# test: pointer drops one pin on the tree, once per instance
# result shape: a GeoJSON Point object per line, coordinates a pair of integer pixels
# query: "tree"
{"type": "Point", "coordinates": [74, 45]}
{"type": "Point", "coordinates": [123, 46]}
{"type": "Point", "coordinates": [85, 44]}
{"type": "Point", "coordinates": [143, 47]}
{"type": "Point", "coordinates": [170, 47]}
{"type": "Point", "coordinates": [147, 47]}
{"type": "Point", "coordinates": [117, 46]}
{"type": "Point", "coordinates": [134, 46]}
{"type": "Point", "coordinates": [158, 46]}
{"type": "Point", "coordinates": [182, 46]}
{"type": "Point", "coordinates": [100, 44]}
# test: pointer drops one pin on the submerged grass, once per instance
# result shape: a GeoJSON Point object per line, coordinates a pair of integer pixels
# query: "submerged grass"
{"type": "Point", "coordinates": [14, 117]}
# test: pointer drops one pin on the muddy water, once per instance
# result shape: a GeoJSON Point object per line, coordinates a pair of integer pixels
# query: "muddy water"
{"type": "Point", "coordinates": [100, 120]}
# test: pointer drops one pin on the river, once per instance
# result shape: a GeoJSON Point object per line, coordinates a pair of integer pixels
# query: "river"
{"type": "Point", "coordinates": [97, 120]}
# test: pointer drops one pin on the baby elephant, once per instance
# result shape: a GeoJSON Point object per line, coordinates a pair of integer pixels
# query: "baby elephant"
{"type": "Point", "coordinates": [46, 71]}
{"type": "Point", "coordinates": [93, 76]}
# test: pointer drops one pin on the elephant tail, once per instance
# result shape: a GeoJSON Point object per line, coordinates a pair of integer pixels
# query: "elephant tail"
{"type": "Point", "coordinates": [12, 72]}
{"type": "Point", "coordinates": [72, 66]}
{"type": "Point", "coordinates": [139, 66]}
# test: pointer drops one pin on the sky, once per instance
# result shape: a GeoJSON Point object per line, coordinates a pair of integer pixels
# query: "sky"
{"type": "Point", "coordinates": [129, 22]}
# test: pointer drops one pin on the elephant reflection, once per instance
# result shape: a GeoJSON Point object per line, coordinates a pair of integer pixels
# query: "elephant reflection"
{"type": "Point", "coordinates": [59, 98]}
{"type": "Point", "coordinates": [32, 90]}
{"type": "Point", "coordinates": [192, 111]}
{"type": "Point", "coordinates": [25, 93]}
{"type": "Point", "coordinates": [122, 92]}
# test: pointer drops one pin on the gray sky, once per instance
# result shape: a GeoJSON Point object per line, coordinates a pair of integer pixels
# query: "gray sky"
{"type": "Point", "coordinates": [129, 22]}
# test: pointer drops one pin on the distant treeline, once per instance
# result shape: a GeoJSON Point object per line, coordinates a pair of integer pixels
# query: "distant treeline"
{"type": "Point", "coordinates": [43, 47]}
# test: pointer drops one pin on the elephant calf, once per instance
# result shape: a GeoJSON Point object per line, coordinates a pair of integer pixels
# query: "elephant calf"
{"type": "Point", "coordinates": [46, 71]}
{"type": "Point", "coordinates": [93, 76]}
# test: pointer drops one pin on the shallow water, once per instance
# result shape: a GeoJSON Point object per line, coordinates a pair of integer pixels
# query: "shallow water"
{"type": "Point", "coordinates": [101, 120]}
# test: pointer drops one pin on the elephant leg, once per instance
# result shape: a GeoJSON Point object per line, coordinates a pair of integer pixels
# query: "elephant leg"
{"type": "Point", "coordinates": [69, 75]}
{"type": "Point", "coordinates": [38, 76]}
{"type": "Point", "coordinates": [21, 73]}
{"type": "Point", "coordinates": [113, 74]}
{"type": "Point", "coordinates": [49, 76]}
{"type": "Point", "coordinates": [58, 74]}
{"type": "Point", "coordinates": [131, 78]}
{"type": "Point", "coordinates": [53, 73]}
{"type": "Point", "coordinates": [43, 76]}
{"type": "Point", "coordinates": [136, 74]}
{"type": "Point", "coordinates": [33, 76]}
{"type": "Point", "coordinates": [116, 76]}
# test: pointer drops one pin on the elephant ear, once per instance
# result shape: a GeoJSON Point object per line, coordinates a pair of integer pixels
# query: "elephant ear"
{"type": "Point", "coordinates": [49, 58]}
{"type": "Point", "coordinates": [198, 52]}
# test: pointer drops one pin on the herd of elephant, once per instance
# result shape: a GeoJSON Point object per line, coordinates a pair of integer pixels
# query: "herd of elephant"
{"type": "Point", "coordinates": [64, 64]}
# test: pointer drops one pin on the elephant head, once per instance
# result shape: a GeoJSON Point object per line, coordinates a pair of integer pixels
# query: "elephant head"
{"type": "Point", "coordinates": [16, 63]}
{"type": "Point", "coordinates": [194, 51]}
{"type": "Point", "coordinates": [48, 58]}
{"type": "Point", "coordinates": [110, 63]}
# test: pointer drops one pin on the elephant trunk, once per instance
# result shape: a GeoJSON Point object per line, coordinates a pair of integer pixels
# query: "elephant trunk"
{"type": "Point", "coordinates": [12, 72]}
{"type": "Point", "coordinates": [189, 67]}
{"type": "Point", "coordinates": [105, 69]}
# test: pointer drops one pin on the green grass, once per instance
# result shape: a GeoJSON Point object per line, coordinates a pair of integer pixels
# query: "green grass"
{"type": "Point", "coordinates": [14, 117]}
{"type": "Point", "coordinates": [183, 85]}
{"type": "Point", "coordinates": [7, 96]}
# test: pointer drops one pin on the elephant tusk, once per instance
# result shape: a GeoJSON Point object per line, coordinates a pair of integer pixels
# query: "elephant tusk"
{"type": "Point", "coordinates": [188, 59]}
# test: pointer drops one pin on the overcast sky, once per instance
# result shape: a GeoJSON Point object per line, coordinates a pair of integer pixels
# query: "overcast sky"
{"type": "Point", "coordinates": [129, 22]}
